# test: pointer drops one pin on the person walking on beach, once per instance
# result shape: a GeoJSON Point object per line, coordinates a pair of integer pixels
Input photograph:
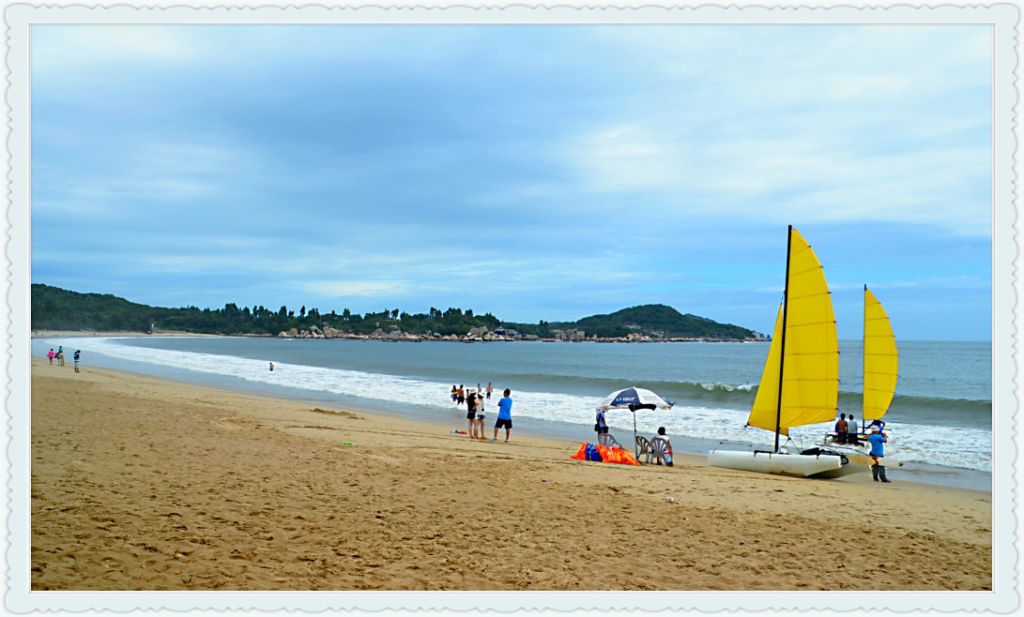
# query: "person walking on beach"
{"type": "Point", "coordinates": [878, 441]}
{"type": "Point", "coordinates": [504, 416]}
{"type": "Point", "coordinates": [78, 356]}
{"type": "Point", "coordinates": [50, 355]}
{"type": "Point", "coordinates": [841, 427]}
{"type": "Point", "coordinates": [471, 414]}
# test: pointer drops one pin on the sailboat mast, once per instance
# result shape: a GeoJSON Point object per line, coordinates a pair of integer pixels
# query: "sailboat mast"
{"type": "Point", "coordinates": [782, 347]}
{"type": "Point", "coordinates": [864, 357]}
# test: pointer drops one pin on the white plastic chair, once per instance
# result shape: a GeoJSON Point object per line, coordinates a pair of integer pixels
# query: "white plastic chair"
{"type": "Point", "coordinates": [658, 450]}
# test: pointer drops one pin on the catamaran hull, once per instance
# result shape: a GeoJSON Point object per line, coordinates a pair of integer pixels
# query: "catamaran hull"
{"type": "Point", "coordinates": [796, 465]}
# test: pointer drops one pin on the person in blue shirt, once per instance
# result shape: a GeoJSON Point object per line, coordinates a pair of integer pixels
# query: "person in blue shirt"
{"type": "Point", "coordinates": [504, 416]}
{"type": "Point", "coordinates": [878, 440]}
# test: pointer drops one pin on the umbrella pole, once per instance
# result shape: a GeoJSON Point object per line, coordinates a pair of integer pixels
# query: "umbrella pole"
{"type": "Point", "coordinates": [635, 447]}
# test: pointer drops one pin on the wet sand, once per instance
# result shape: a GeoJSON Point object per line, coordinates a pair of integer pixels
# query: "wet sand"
{"type": "Point", "coordinates": [143, 484]}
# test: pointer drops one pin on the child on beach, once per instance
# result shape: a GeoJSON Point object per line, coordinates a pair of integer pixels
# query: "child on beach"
{"type": "Point", "coordinates": [50, 355]}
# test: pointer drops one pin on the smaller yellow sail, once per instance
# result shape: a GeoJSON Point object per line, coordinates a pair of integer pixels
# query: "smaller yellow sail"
{"type": "Point", "coordinates": [881, 359]}
{"type": "Point", "coordinates": [765, 412]}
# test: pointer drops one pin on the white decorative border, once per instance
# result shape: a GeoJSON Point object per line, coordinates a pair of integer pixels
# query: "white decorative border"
{"type": "Point", "coordinates": [1005, 20]}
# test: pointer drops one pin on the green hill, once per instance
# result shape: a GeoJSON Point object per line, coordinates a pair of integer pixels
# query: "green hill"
{"type": "Point", "coordinates": [660, 321]}
{"type": "Point", "coordinates": [58, 309]}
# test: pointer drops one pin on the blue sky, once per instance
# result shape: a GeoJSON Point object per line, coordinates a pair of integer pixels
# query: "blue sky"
{"type": "Point", "coordinates": [533, 172]}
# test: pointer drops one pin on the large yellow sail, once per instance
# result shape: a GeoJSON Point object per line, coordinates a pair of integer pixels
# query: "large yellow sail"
{"type": "Point", "coordinates": [805, 349]}
{"type": "Point", "coordinates": [881, 359]}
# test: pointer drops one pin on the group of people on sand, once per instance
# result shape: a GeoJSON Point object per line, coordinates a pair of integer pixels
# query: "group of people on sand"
{"type": "Point", "coordinates": [847, 432]}
{"type": "Point", "coordinates": [476, 410]}
{"type": "Point", "coordinates": [601, 426]}
{"type": "Point", "coordinates": [59, 356]}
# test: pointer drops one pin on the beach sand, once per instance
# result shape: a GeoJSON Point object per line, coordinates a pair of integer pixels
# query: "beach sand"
{"type": "Point", "coordinates": [144, 484]}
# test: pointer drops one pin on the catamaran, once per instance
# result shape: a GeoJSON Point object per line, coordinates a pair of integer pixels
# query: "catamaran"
{"type": "Point", "coordinates": [800, 383]}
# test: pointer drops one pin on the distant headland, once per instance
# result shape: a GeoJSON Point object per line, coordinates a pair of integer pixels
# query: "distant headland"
{"type": "Point", "coordinates": [59, 309]}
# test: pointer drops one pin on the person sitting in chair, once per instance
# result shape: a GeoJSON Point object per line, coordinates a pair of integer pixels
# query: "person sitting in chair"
{"type": "Point", "coordinates": [668, 445]}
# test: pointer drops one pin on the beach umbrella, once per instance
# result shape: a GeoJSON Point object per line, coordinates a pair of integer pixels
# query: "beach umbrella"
{"type": "Point", "coordinates": [634, 399]}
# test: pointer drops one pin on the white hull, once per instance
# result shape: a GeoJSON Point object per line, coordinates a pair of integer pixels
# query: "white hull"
{"type": "Point", "coordinates": [796, 465]}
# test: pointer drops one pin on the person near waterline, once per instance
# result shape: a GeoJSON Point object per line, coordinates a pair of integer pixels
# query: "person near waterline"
{"type": "Point", "coordinates": [852, 431]}
{"type": "Point", "coordinates": [841, 428]}
{"type": "Point", "coordinates": [878, 440]}
{"type": "Point", "coordinates": [471, 414]}
{"type": "Point", "coordinates": [461, 395]}
{"type": "Point", "coordinates": [78, 356]}
{"type": "Point", "coordinates": [602, 424]}
{"type": "Point", "coordinates": [480, 413]}
{"type": "Point", "coordinates": [50, 355]}
{"type": "Point", "coordinates": [504, 416]}
{"type": "Point", "coordinates": [489, 389]}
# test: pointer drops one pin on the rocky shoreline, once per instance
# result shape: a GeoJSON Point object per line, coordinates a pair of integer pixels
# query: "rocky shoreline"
{"type": "Point", "coordinates": [394, 335]}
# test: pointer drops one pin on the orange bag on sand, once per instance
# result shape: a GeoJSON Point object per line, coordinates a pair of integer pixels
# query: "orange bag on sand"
{"type": "Point", "coordinates": [582, 454]}
{"type": "Point", "coordinates": [615, 454]}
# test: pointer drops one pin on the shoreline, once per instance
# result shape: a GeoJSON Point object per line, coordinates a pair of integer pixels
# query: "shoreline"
{"type": "Point", "coordinates": [141, 483]}
{"type": "Point", "coordinates": [928, 474]}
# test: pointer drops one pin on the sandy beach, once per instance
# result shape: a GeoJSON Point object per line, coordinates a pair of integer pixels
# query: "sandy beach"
{"type": "Point", "coordinates": [144, 484]}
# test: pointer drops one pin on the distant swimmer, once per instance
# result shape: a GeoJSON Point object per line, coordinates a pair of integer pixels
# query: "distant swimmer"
{"type": "Point", "coordinates": [271, 367]}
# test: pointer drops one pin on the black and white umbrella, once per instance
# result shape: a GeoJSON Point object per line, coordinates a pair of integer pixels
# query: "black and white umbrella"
{"type": "Point", "coordinates": [634, 399]}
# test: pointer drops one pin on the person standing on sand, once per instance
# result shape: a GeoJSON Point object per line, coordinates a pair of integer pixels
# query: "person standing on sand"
{"type": "Point", "coordinates": [851, 431]}
{"type": "Point", "coordinates": [471, 414]}
{"type": "Point", "coordinates": [602, 424]}
{"type": "Point", "coordinates": [504, 416]}
{"type": "Point", "coordinates": [480, 418]}
{"type": "Point", "coordinates": [78, 356]}
{"type": "Point", "coordinates": [50, 355]}
{"type": "Point", "coordinates": [878, 441]}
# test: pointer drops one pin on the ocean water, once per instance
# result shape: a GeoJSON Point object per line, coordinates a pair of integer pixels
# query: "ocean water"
{"type": "Point", "coordinates": [940, 419]}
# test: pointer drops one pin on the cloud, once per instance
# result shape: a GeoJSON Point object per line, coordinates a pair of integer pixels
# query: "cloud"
{"type": "Point", "coordinates": [344, 289]}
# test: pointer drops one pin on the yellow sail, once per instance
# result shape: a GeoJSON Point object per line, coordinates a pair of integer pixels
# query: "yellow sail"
{"type": "Point", "coordinates": [766, 404]}
{"type": "Point", "coordinates": [881, 359]}
{"type": "Point", "coordinates": [805, 349]}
